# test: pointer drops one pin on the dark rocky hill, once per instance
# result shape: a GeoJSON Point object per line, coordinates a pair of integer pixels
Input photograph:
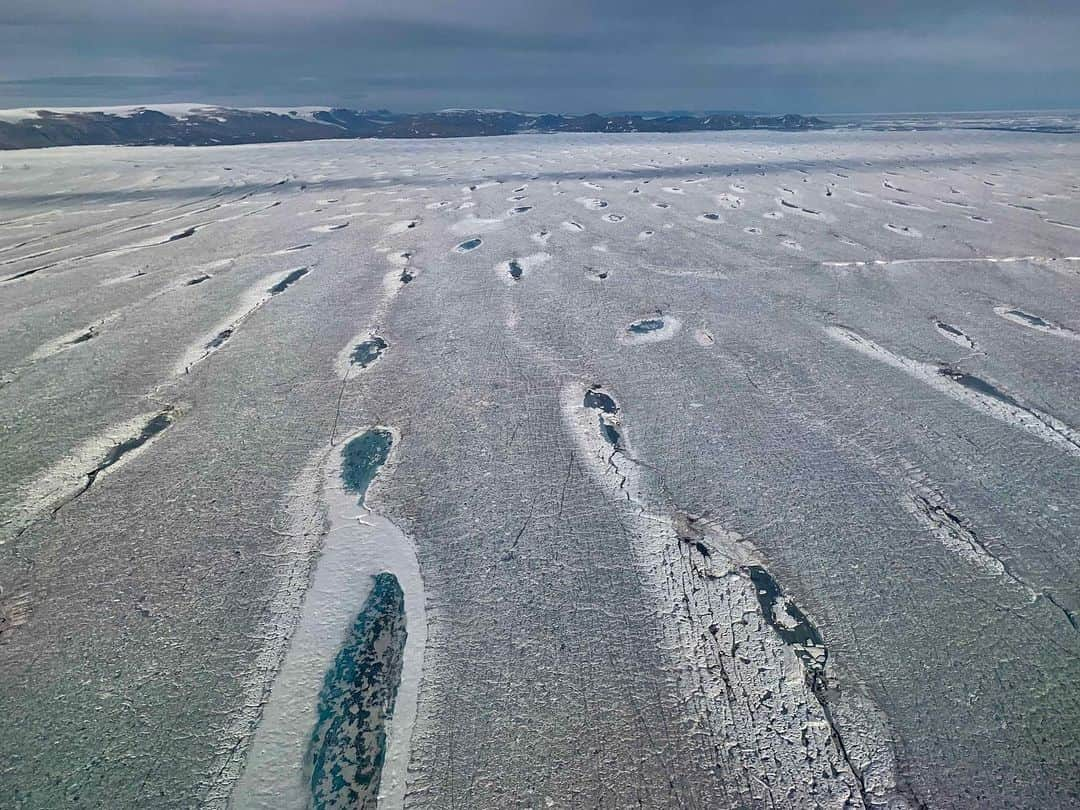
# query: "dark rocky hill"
{"type": "Point", "coordinates": [207, 126]}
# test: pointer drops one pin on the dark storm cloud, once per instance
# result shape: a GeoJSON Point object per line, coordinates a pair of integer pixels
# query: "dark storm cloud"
{"type": "Point", "coordinates": [560, 55]}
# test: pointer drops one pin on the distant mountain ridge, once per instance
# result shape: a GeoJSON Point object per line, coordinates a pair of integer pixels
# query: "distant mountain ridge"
{"type": "Point", "coordinates": [206, 125]}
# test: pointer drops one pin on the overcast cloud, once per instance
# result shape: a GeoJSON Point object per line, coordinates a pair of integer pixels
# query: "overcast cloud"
{"type": "Point", "coordinates": [588, 55]}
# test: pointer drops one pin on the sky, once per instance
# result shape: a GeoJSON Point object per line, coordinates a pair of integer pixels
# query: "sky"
{"type": "Point", "coordinates": [573, 56]}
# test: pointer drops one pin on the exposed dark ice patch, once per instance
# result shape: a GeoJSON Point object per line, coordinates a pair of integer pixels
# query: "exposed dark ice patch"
{"type": "Point", "coordinates": [521, 209]}
{"type": "Point", "coordinates": [191, 282]}
{"type": "Point", "coordinates": [711, 217]}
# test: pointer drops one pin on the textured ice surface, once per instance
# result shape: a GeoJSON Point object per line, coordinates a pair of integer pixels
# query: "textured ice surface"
{"type": "Point", "coordinates": [772, 509]}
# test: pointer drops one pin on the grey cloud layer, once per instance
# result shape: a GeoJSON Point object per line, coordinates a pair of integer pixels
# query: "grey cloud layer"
{"type": "Point", "coordinates": [598, 55]}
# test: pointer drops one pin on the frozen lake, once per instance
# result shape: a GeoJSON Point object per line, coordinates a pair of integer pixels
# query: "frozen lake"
{"type": "Point", "coordinates": [740, 469]}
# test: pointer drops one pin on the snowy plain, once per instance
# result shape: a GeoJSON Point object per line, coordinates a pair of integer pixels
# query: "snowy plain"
{"type": "Point", "coordinates": [741, 469]}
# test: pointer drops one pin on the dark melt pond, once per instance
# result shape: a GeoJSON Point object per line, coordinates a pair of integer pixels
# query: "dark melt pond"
{"type": "Point", "coordinates": [597, 400]}
{"type": "Point", "coordinates": [363, 457]}
{"type": "Point", "coordinates": [952, 330]}
{"type": "Point", "coordinates": [152, 428]}
{"type": "Point", "coordinates": [288, 281]}
{"type": "Point", "coordinates": [646, 326]}
{"type": "Point", "coordinates": [85, 336]}
{"type": "Point", "coordinates": [219, 338]}
{"type": "Point", "coordinates": [368, 351]}
{"type": "Point", "coordinates": [182, 235]}
{"type": "Point", "coordinates": [1031, 320]}
{"type": "Point", "coordinates": [796, 630]}
{"type": "Point", "coordinates": [470, 244]}
{"type": "Point", "coordinates": [516, 269]}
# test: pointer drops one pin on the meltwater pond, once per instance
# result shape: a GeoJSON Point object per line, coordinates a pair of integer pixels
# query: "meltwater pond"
{"type": "Point", "coordinates": [336, 729]}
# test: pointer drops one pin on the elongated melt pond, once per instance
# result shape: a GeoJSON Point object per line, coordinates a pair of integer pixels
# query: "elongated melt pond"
{"type": "Point", "coordinates": [1029, 319]}
{"type": "Point", "coordinates": [348, 746]}
{"type": "Point", "coordinates": [155, 426]}
{"type": "Point", "coordinates": [288, 281]}
{"type": "Point", "coordinates": [646, 326]}
{"type": "Point", "coordinates": [794, 628]}
{"type": "Point", "coordinates": [335, 731]}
